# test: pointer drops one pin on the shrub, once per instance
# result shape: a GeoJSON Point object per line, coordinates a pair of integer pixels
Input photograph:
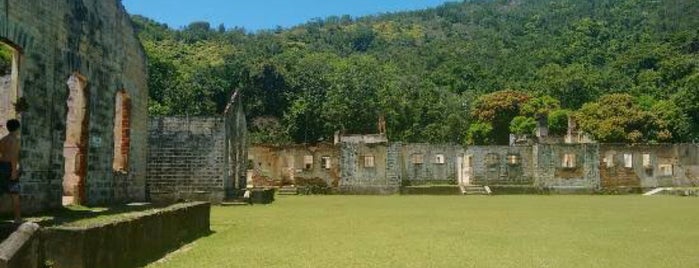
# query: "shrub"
{"type": "Point", "coordinates": [480, 134]}
{"type": "Point", "coordinates": [522, 125]}
{"type": "Point", "coordinates": [312, 185]}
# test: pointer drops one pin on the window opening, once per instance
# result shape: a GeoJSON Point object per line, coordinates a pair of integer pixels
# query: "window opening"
{"type": "Point", "coordinates": [122, 131]}
{"type": "Point", "coordinates": [569, 161]}
{"type": "Point", "coordinates": [76, 141]}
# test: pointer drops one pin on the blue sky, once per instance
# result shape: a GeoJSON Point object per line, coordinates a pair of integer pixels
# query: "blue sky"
{"type": "Point", "coordinates": [264, 14]}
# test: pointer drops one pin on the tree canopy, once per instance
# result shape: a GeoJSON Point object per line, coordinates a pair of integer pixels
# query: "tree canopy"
{"type": "Point", "coordinates": [443, 74]}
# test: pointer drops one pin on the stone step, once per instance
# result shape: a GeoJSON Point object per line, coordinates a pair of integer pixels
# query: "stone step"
{"type": "Point", "coordinates": [286, 190]}
{"type": "Point", "coordinates": [234, 203]}
{"type": "Point", "coordinates": [475, 190]}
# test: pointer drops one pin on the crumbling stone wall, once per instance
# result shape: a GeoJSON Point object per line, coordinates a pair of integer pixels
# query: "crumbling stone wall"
{"type": "Point", "coordinates": [501, 165]}
{"type": "Point", "coordinates": [186, 159]}
{"type": "Point", "coordinates": [198, 158]}
{"type": "Point", "coordinates": [551, 171]}
{"type": "Point", "coordinates": [236, 144]}
{"type": "Point", "coordinates": [649, 165]}
{"type": "Point", "coordinates": [95, 39]}
{"type": "Point", "coordinates": [278, 165]}
{"type": "Point", "coordinates": [423, 163]}
{"type": "Point", "coordinates": [360, 175]}
{"type": "Point", "coordinates": [556, 167]}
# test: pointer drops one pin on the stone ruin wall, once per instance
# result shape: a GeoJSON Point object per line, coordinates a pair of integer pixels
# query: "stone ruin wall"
{"type": "Point", "coordinates": [501, 165]}
{"type": "Point", "coordinates": [649, 166]}
{"type": "Point", "coordinates": [284, 165]}
{"type": "Point", "coordinates": [96, 41]}
{"type": "Point", "coordinates": [558, 168]}
{"type": "Point", "coordinates": [422, 163]}
{"type": "Point", "coordinates": [198, 158]}
{"type": "Point", "coordinates": [186, 160]}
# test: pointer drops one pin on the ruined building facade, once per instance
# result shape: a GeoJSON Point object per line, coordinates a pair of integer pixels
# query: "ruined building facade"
{"type": "Point", "coordinates": [79, 76]}
{"type": "Point", "coordinates": [385, 167]}
{"type": "Point", "coordinates": [198, 158]}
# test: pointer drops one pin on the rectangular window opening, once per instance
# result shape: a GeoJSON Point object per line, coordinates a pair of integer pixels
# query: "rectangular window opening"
{"type": "Point", "coordinates": [569, 161]}
{"type": "Point", "coordinates": [325, 162]}
{"type": "Point", "coordinates": [609, 160]}
{"type": "Point", "coordinates": [513, 159]}
{"type": "Point", "coordinates": [439, 159]}
{"type": "Point", "coordinates": [417, 159]}
{"type": "Point", "coordinates": [665, 169]}
{"type": "Point", "coordinates": [646, 161]}
{"type": "Point", "coordinates": [368, 161]}
{"type": "Point", "coordinates": [628, 160]}
{"type": "Point", "coordinates": [308, 162]}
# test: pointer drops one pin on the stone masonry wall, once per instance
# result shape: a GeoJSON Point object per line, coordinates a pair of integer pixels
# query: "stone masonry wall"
{"type": "Point", "coordinates": [649, 165]}
{"type": "Point", "coordinates": [361, 176]}
{"type": "Point", "coordinates": [95, 39]}
{"type": "Point", "coordinates": [186, 159]}
{"type": "Point", "coordinates": [286, 164]}
{"type": "Point", "coordinates": [423, 163]}
{"type": "Point", "coordinates": [501, 165]}
{"type": "Point", "coordinates": [236, 144]}
{"type": "Point", "coordinates": [556, 167]}
{"type": "Point", "coordinates": [551, 171]}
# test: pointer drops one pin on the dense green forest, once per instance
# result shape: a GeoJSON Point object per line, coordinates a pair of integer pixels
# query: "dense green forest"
{"type": "Point", "coordinates": [466, 72]}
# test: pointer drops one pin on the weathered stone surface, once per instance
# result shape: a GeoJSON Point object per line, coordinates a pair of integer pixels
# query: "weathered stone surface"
{"type": "Point", "coordinates": [21, 248]}
{"type": "Point", "coordinates": [197, 158]}
{"type": "Point", "coordinates": [284, 164]}
{"type": "Point", "coordinates": [431, 170]}
{"type": "Point", "coordinates": [551, 172]}
{"type": "Point", "coordinates": [490, 165]}
{"type": "Point", "coordinates": [127, 243]}
{"type": "Point", "coordinates": [538, 168]}
{"type": "Point", "coordinates": [651, 165]}
{"type": "Point", "coordinates": [366, 169]}
{"type": "Point", "coordinates": [186, 159]}
{"type": "Point", "coordinates": [96, 39]}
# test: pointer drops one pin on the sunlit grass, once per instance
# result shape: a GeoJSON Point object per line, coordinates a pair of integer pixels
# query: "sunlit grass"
{"type": "Point", "coordinates": [451, 231]}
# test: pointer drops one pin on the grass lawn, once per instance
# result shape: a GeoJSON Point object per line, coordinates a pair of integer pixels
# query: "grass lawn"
{"type": "Point", "coordinates": [450, 231]}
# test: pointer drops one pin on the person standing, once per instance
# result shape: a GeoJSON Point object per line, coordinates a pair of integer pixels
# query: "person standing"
{"type": "Point", "coordinates": [9, 165]}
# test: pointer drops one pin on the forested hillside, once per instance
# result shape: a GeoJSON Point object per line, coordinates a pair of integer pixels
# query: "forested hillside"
{"type": "Point", "coordinates": [628, 69]}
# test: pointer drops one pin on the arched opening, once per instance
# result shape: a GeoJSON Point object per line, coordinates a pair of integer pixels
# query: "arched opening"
{"type": "Point", "coordinates": [122, 131]}
{"type": "Point", "coordinates": [76, 142]}
{"type": "Point", "coordinates": [10, 93]}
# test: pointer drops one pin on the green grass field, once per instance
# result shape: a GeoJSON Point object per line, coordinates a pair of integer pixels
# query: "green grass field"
{"type": "Point", "coordinates": [450, 231]}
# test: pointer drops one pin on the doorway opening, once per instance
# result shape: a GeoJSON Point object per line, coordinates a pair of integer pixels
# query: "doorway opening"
{"type": "Point", "coordinates": [76, 142]}
{"type": "Point", "coordinates": [122, 131]}
{"type": "Point", "coordinates": [10, 94]}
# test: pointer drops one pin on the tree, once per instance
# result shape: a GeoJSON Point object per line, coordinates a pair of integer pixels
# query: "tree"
{"type": "Point", "coordinates": [558, 122]}
{"type": "Point", "coordinates": [522, 125]}
{"type": "Point", "coordinates": [618, 118]}
{"type": "Point", "coordinates": [540, 107]}
{"type": "Point", "coordinates": [480, 134]}
{"type": "Point", "coordinates": [671, 118]}
{"type": "Point", "coordinates": [498, 109]}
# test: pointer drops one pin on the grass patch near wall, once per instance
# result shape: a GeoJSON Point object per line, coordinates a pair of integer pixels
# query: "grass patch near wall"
{"type": "Point", "coordinates": [451, 231]}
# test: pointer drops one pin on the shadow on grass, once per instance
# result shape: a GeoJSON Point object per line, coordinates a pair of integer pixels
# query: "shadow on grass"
{"type": "Point", "coordinates": [75, 214]}
{"type": "Point", "coordinates": [184, 246]}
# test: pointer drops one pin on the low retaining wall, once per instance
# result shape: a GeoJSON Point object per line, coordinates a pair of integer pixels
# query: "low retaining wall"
{"type": "Point", "coordinates": [368, 190]}
{"type": "Point", "coordinates": [126, 243]}
{"type": "Point", "coordinates": [431, 190]}
{"type": "Point", "coordinates": [262, 196]}
{"type": "Point", "coordinates": [21, 248]}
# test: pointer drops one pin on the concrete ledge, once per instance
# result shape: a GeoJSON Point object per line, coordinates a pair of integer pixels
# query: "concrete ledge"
{"type": "Point", "coordinates": [126, 243]}
{"type": "Point", "coordinates": [369, 190]}
{"type": "Point", "coordinates": [162, 197]}
{"type": "Point", "coordinates": [21, 248]}
{"type": "Point", "coordinates": [516, 189]}
{"type": "Point", "coordinates": [262, 196]}
{"type": "Point", "coordinates": [431, 190]}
